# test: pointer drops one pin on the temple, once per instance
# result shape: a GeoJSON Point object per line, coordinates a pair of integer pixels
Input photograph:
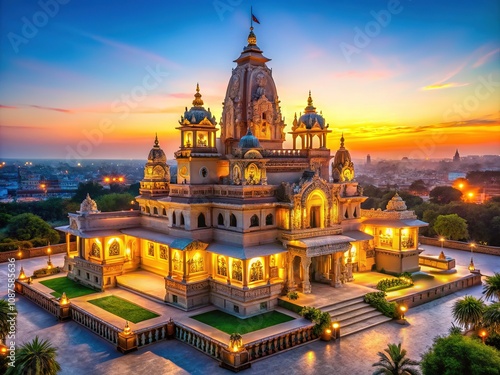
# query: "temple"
{"type": "Point", "coordinates": [244, 219]}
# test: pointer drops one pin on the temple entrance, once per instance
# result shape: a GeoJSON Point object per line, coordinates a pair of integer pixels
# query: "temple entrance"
{"type": "Point", "coordinates": [315, 217]}
{"type": "Point", "coordinates": [297, 271]}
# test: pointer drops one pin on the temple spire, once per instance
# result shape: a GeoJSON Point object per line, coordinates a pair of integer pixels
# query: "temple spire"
{"type": "Point", "coordinates": [197, 102]}
{"type": "Point", "coordinates": [157, 144]}
{"type": "Point", "coordinates": [342, 141]}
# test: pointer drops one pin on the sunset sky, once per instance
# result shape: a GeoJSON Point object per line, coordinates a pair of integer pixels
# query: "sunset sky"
{"type": "Point", "coordinates": [96, 79]}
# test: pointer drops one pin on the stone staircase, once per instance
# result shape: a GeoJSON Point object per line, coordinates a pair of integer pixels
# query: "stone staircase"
{"type": "Point", "coordinates": [354, 315]}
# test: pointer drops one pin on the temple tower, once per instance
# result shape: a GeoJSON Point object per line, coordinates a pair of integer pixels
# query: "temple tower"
{"type": "Point", "coordinates": [156, 173]}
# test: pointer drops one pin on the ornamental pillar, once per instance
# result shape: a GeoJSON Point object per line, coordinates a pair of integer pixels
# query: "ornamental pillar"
{"type": "Point", "coordinates": [306, 283]}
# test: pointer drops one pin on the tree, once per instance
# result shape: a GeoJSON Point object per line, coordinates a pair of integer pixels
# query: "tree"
{"type": "Point", "coordinates": [395, 362]}
{"type": "Point", "coordinates": [5, 311]}
{"type": "Point", "coordinates": [28, 226]}
{"type": "Point", "coordinates": [418, 187]}
{"type": "Point", "coordinates": [491, 287]}
{"type": "Point", "coordinates": [37, 357]}
{"type": "Point", "coordinates": [4, 219]}
{"type": "Point", "coordinates": [458, 355]}
{"type": "Point", "coordinates": [92, 188]}
{"type": "Point", "coordinates": [444, 194]}
{"type": "Point", "coordinates": [451, 226]}
{"type": "Point", "coordinates": [468, 312]}
{"type": "Point", "coordinates": [115, 202]}
{"type": "Point", "coordinates": [491, 318]}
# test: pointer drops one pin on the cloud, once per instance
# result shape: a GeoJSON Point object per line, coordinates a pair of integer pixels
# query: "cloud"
{"type": "Point", "coordinates": [439, 86]}
{"type": "Point", "coordinates": [8, 106]}
{"type": "Point", "coordinates": [483, 59]}
{"type": "Point", "coordinates": [51, 108]}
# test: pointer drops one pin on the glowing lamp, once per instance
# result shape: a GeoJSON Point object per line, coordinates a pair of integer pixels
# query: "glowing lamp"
{"type": "Point", "coordinates": [127, 330]}
{"type": "Point", "coordinates": [483, 335]}
{"type": "Point", "coordinates": [22, 275]}
{"type": "Point", "coordinates": [3, 348]}
{"type": "Point", "coordinates": [471, 265]}
{"type": "Point", "coordinates": [335, 325]}
{"type": "Point", "coordinates": [64, 299]}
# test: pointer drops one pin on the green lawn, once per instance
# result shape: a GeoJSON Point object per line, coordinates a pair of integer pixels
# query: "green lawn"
{"type": "Point", "coordinates": [232, 324]}
{"type": "Point", "coordinates": [70, 287]}
{"type": "Point", "coordinates": [123, 308]}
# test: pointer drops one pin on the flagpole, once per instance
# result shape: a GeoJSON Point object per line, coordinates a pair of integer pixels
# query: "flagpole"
{"type": "Point", "coordinates": [251, 17]}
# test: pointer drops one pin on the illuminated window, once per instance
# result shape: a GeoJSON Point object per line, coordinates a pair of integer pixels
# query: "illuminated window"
{"type": "Point", "coordinates": [96, 250]}
{"type": "Point", "coordinates": [237, 270]}
{"type": "Point", "coordinates": [196, 263]}
{"type": "Point", "coordinates": [151, 249]}
{"type": "Point", "coordinates": [114, 248]}
{"type": "Point", "coordinates": [163, 252]}
{"type": "Point", "coordinates": [177, 264]}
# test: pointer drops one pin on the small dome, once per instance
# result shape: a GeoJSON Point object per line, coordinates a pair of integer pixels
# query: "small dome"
{"type": "Point", "coordinates": [310, 116]}
{"type": "Point", "coordinates": [249, 141]}
{"type": "Point", "coordinates": [197, 113]}
{"type": "Point", "coordinates": [396, 204]}
{"type": "Point", "coordinates": [88, 205]}
{"type": "Point", "coordinates": [156, 155]}
{"type": "Point", "coordinates": [342, 155]}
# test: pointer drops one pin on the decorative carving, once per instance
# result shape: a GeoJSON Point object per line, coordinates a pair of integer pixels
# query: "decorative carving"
{"type": "Point", "coordinates": [163, 252]}
{"type": "Point", "coordinates": [196, 264]}
{"type": "Point", "coordinates": [73, 224]}
{"type": "Point", "coordinates": [176, 262]}
{"type": "Point", "coordinates": [114, 248]}
{"type": "Point", "coordinates": [151, 249]}
{"type": "Point", "coordinates": [221, 266]}
{"type": "Point", "coordinates": [237, 273]}
{"type": "Point", "coordinates": [256, 271]}
{"type": "Point", "coordinates": [88, 206]}
{"type": "Point", "coordinates": [95, 251]}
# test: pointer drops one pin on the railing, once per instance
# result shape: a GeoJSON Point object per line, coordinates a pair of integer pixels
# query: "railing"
{"type": "Point", "coordinates": [283, 341]}
{"type": "Point", "coordinates": [458, 245]}
{"type": "Point", "coordinates": [35, 252]}
{"type": "Point", "coordinates": [45, 301]}
{"type": "Point", "coordinates": [103, 329]}
{"type": "Point", "coordinates": [245, 295]}
{"type": "Point", "coordinates": [428, 295]}
{"type": "Point", "coordinates": [199, 341]}
{"type": "Point", "coordinates": [151, 335]}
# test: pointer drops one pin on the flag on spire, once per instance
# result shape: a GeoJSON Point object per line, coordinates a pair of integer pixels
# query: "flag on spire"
{"type": "Point", "coordinates": [254, 19]}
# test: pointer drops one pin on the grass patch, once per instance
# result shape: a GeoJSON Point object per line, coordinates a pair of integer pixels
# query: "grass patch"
{"type": "Point", "coordinates": [70, 287]}
{"type": "Point", "coordinates": [289, 305]}
{"type": "Point", "coordinates": [230, 324]}
{"type": "Point", "coordinates": [123, 308]}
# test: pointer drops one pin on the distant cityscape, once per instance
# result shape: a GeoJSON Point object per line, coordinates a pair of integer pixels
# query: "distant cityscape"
{"type": "Point", "coordinates": [35, 180]}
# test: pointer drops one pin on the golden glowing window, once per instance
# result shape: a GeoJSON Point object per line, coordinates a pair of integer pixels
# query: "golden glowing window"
{"type": "Point", "coordinates": [221, 266]}
{"type": "Point", "coordinates": [256, 271]}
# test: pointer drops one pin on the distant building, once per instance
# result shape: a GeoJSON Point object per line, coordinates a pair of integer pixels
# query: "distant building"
{"type": "Point", "coordinates": [456, 157]}
{"type": "Point", "coordinates": [368, 159]}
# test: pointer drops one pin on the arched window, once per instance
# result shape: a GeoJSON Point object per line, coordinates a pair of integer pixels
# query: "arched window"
{"type": "Point", "coordinates": [201, 221]}
{"type": "Point", "coordinates": [355, 214]}
{"type": "Point", "coordinates": [174, 218]}
{"type": "Point", "coordinates": [164, 212]}
{"type": "Point", "coordinates": [232, 221]}
{"type": "Point", "coordinates": [254, 221]}
{"type": "Point", "coordinates": [182, 220]}
{"type": "Point", "coordinates": [221, 266]}
{"type": "Point", "coordinates": [269, 219]}
{"type": "Point", "coordinates": [220, 219]}
{"type": "Point", "coordinates": [155, 211]}
{"type": "Point", "coordinates": [148, 210]}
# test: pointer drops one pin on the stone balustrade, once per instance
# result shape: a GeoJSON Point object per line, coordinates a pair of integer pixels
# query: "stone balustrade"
{"type": "Point", "coordinates": [35, 252]}
{"type": "Point", "coordinates": [45, 301]}
{"type": "Point", "coordinates": [151, 335]}
{"type": "Point", "coordinates": [245, 295]}
{"type": "Point", "coordinates": [197, 340]}
{"type": "Point", "coordinates": [103, 329]}
{"type": "Point", "coordinates": [282, 341]}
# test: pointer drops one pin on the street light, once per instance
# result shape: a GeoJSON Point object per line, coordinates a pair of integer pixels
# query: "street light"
{"type": "Point", "coordinates": [49, 263]}
{"type": "Point", "coordinates": [336, 330]}
{"type": "Point", "coordinates": [471, 264]}
{"type": "Point", "coordinates": [483, 335]}
{"type": "Point", "coordinates": [403, 309]}
{"type": "Point", "coordinates": [442, 242]}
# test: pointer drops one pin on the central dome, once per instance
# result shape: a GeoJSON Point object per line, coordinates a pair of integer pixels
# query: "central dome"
{"type": "Point", "coordinates": [249, 141]}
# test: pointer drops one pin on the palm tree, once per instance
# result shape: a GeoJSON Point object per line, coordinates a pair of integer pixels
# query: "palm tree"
{"type": "Point", "coordinates": [37, 357]}
{"type": "Point", "coordinates": [394, 362]}
{"type": "Point", "coordinates": [491, 318]}
{"type": "Point", "coordinates": [468, 312]}
{"type": "Point", "coordinates": [491, 289]}
{"type": "Point", "coordinates": [6, 312]}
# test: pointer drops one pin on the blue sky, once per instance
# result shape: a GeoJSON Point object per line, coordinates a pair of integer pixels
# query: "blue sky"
{"type": "Point", "coordinates": [400, 78]}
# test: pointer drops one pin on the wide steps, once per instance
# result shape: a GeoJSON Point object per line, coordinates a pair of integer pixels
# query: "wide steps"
{"type": "Point", "coordinates": [365, 324]}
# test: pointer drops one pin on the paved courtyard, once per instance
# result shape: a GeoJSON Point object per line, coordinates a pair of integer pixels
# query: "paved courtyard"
{"type": "Point", "coordinates": [82, 352]}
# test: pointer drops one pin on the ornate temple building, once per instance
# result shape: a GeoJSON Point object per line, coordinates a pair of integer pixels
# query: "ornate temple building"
{"type": "Point", "coordinates": [244, 219]}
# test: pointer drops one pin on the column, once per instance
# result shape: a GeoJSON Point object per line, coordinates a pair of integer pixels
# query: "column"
{"type": "Point", "coordinates": [184, 268]}
{"type": "Point", "coordinates": [169, 262]}
{"type": "Point", "coordinates": [306, 284]}
{"type": "Point", "coordinates": [68, 243]}
{"type": "Point", "coordinates": [289, 265]}
{"type": "Point", "coordinates": [244, 276]}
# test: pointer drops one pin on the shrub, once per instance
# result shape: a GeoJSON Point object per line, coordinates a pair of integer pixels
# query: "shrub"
{"type": "Point", "coordinates": [378, 300]}
{"type": "Point", "coordinates": [293, 295]}
{"type": "Point", "coordinates": [9, 246]}
{"type": "Point", "coordinates": [403, 281]}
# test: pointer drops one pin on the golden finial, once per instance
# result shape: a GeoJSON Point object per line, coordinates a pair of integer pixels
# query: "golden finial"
{"type": "Point", "coordinates": [156, 140]}
{"type": "Point", "coordinates": [252, 39]}
{"type": "Point", "coordinates": [342, 140]}
{"type": "Point", "coordinates": [309, 99]}
{"type": "Point", "coordinates": [310, 107]}
{"type": "Point", "coordinates": [197, 102]}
